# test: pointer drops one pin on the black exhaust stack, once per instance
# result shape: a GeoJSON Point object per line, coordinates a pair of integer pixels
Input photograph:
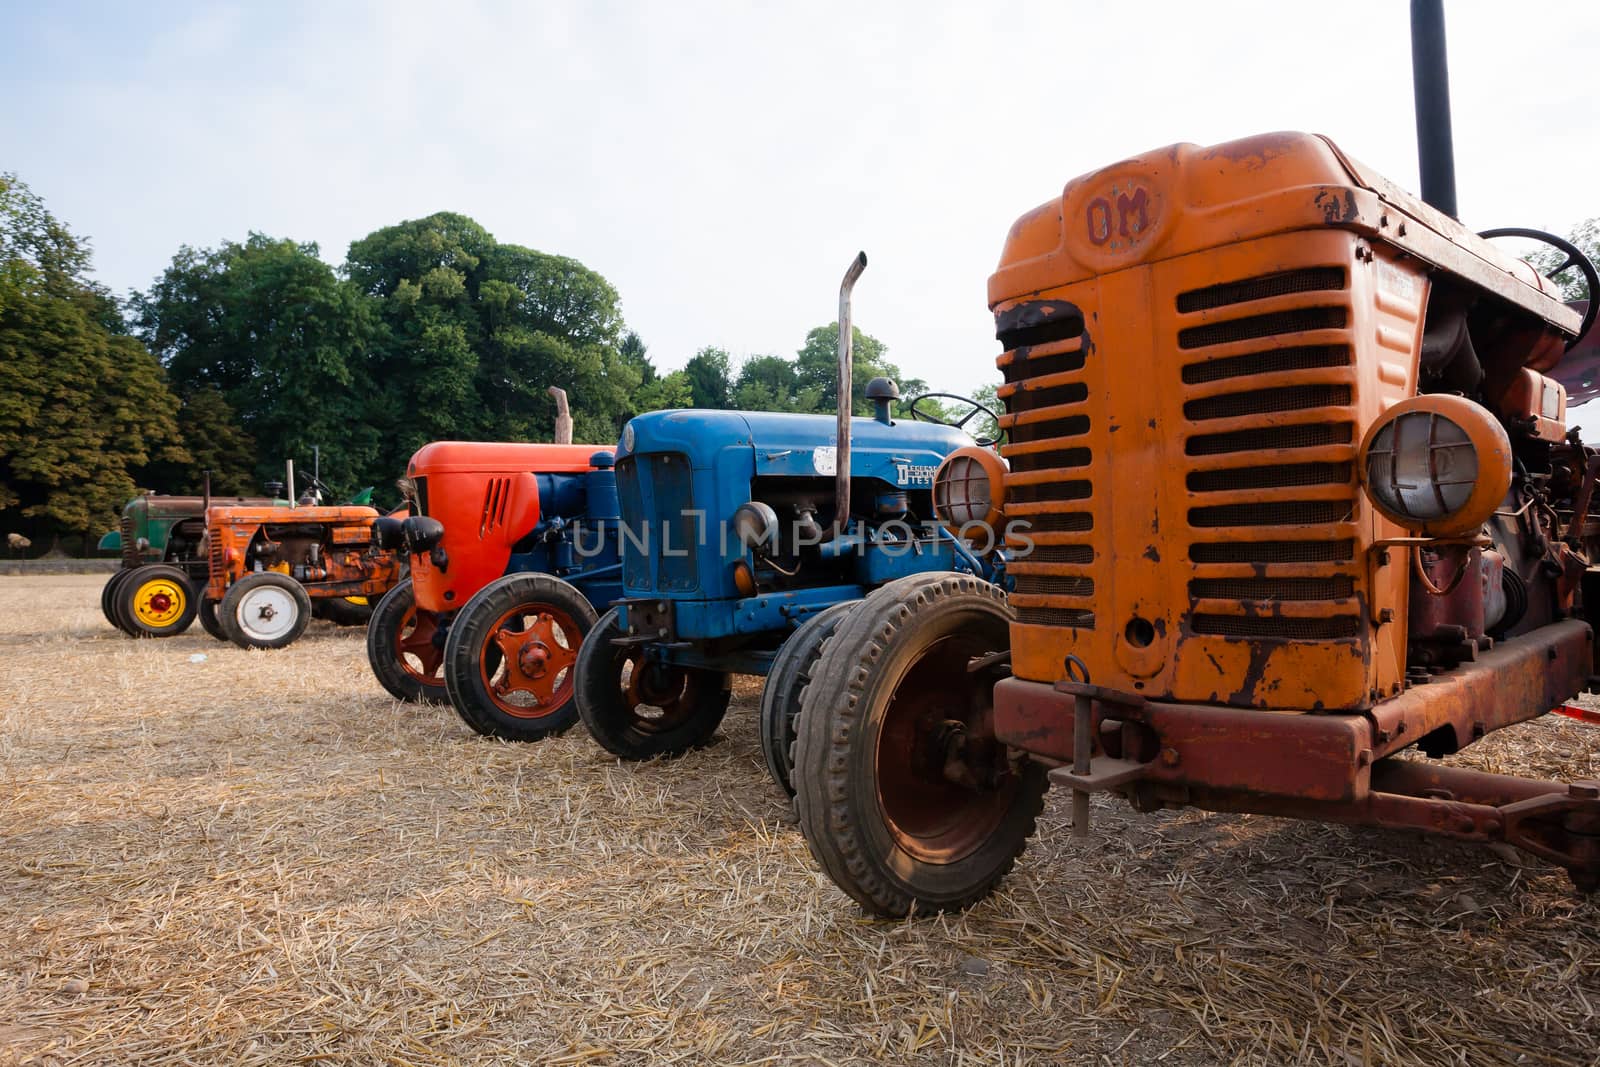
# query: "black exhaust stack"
{"type": "Point", "coordinates": [1430, 81]}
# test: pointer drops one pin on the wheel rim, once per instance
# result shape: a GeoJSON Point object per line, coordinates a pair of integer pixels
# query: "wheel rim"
{"type": "Point", "coordinates": [266, 614]}
{"type": "Point", "coordinates": [929, 816]}
{"type": "Point", "coordinates": [358, 601]}
{"type": "Point", "coordinates": [658, 698]}
{"type": "Point", "coordinates": [414, 648]}
{"type": "Point", "coordinates": [159, 602]}
{"type": "Point", "coordinates": [526, 662]}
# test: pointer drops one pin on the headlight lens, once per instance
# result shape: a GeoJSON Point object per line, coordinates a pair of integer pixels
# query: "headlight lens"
{"type": "Point", "coordinates": [969, 488]}
{"type": "Point", "coordinates": [1437, 464]}
{"type": "Point", "coordinates": [756, 526]}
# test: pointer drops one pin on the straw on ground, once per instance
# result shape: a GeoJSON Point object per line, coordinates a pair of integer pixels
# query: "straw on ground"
{"type": "Point", "coordinates": [260, 858]}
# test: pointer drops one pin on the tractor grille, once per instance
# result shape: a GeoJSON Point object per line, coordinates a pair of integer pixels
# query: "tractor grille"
{"type": "Point", "coordinates": [1269, 445]}
{"type": "Point", "coordinates": [660, 535]}
{"type": "Point", "coordinates": [1050, 488]}
{"type": "Point", "coordinates": [130, 550]}
{"type": "Point", "coordinates": [214, 540]}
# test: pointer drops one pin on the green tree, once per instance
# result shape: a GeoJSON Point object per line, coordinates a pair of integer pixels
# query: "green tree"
{"type": "Point", "coordinates": [216, 443]}
{"type": "Point", "coordinates": [770, 383]}
{"type": "Point", "coordinates": [983, 427]}
{"type": "Point", "coordinates": [286, 344]}
{"type": "Point", "coordinates": [667, 391]}
{"type": "Point", "coordinates": [83, 406]}
{"type": "Point", "coordinates": [817, 367]}
{"type": "Point", "coordinates": [473, 332]}
{"type": "Point", "coordinates": [1586, 235]}
{"type": "Point", "coordinates": [709, 372]}
{"type": "Point", "coordinates": [425, 276]}
{"type": "Point", "coordinates": [634, 353]}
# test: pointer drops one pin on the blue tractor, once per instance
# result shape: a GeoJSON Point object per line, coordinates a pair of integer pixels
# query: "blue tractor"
{"type": "Point", "coordinates": [745, 537]}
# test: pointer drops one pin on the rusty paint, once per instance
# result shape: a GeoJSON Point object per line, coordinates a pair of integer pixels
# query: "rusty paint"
{"type": "Point", "coordinates": [346, 572]}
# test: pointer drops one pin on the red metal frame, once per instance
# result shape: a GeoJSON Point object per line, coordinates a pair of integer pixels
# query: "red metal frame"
{"type": "Point", "coordinates": [1334, 767]}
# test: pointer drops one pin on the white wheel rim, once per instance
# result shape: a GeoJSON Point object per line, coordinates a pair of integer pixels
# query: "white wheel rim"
{"type": "Point", "coordinates": [266, 614]}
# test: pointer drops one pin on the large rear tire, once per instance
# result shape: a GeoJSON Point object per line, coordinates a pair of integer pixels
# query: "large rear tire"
{"type": "Point", "coordinates": [638, 709]}
{"type": "Point", "coordinates": [404, 649]}
{"type": "Point", "coordinates": [108, 596]}
{"type": "Point", "coordinates": [343, 610]}
{"type": "Point", "coordinates": [264, 610]}
{"type": "Point", "coordinates": [156, 601]}
{"type": "Point", "coordinates": [509, 660]}
{"type": "Point", "coordinates": [891, 725]}
{"type": "Point", "coordinates": [780, 695]}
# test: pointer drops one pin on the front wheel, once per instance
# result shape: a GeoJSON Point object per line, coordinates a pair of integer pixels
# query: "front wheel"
{"type": "Point", "coordinates": [905, 797]}
{"type": "Point", "coordinates": [405, 649]}
{"type": "Point", "coordinates": [264, 610]}
{"type": "Point", "coordinates": [156, 601]}
{"type": "Point", "coordinates": [508, 662]}
{"type": "Point", "coordinates": [209, 621]}
{"type": "Point", "coordinates": [780, 695]}
{"type": "Point", "coordinates": [637, 708]}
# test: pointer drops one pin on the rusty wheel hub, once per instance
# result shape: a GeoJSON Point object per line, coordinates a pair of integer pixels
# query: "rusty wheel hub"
{"type": "Point", "coordinates": [943, 782]}
{"type": "Point", "coordinates": [415, 647]}
{"type": "Point", "coordinates": [528, 659]}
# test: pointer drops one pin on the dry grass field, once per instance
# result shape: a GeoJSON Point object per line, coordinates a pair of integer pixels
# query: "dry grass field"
{"type": "Point", "coordinates": [260, 858]}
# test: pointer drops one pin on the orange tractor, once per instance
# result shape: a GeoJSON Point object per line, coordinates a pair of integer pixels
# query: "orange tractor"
{"type": "Point", "coordinates": [1302, 514]}
{"type": "Point", "coordinates": [270, 568]}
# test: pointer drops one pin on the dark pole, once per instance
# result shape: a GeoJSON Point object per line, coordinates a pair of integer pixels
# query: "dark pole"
{"type": "Point", "coordinates": [1430, 80]}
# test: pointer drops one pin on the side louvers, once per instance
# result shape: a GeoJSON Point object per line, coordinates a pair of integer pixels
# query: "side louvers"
{"type": "Point", "coordinates": [496, 494]}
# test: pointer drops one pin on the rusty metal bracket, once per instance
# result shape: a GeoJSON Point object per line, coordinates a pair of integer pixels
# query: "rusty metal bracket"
{"type": "Point", "coordinates": [1108, 773]}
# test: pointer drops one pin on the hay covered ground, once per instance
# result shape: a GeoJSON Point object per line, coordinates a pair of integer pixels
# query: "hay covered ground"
{"type": "Point", "coordinates": [260, 858]}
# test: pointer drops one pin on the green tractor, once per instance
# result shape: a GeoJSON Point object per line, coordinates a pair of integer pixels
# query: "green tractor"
{"type": "Point", "coordinates": [159, 588]}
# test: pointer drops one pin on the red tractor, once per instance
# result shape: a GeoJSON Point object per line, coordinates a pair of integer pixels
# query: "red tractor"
{"type": "Point", "coordinates": [512, 549]}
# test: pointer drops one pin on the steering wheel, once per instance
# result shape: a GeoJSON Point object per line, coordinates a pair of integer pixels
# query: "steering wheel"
{"type": "Point", "coordinates": [1575, 258]}
{"type": "Point", "coordinates": [959, 424]}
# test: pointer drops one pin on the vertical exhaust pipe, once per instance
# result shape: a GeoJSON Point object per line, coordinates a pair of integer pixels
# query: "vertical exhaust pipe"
{"type": "Point", "coordinates": [563, 417]}
{"type": "Point", "coordinates": [1430, 82]}
{"type": "Point", "coordinates": [289, 469]}
{"type": "Point", "coordinates": [847, 378]}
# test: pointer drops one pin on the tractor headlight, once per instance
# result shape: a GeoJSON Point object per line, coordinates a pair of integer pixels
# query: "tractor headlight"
{"type": "Point", "coordinates": [388, 534]}
{"type": "Point", "coordinates": [970, 488]}
{"type": "Point", "coordinates": [1436, 464]}
{"type": "Point", "coordinates": [422, 534]}
{"type": "Point", "coordinates": [756, 526]}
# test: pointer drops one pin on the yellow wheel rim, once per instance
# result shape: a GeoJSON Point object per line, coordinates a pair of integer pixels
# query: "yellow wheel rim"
{"type": "Point", "coordinates": [357, 600]}
{"type": "Point", "coordinates": [160, 602]}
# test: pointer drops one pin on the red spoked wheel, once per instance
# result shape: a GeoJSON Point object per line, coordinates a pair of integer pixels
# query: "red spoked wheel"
{"type": "Point", "coordinates": [638, 708]}
{"type": "Point", "coordinates": [528, 661]}
{"type": "Point", "coordinates": [405, 647]}
{"type": "Point", "coordinates": [510, 656]}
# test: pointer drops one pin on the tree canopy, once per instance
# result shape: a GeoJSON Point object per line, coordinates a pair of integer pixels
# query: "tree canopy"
{"type": "Point", "coordinates": [241, 356]}
{"type": "Point", "coordinates": [84, 408]}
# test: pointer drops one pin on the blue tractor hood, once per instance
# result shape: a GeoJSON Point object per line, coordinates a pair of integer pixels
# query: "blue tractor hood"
{"type": "Point", "coordinates": [903, 454]}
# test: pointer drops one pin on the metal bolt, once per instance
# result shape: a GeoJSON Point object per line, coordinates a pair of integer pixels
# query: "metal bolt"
{"type": "Point", "coordinates": [1386, 615]}
{"type": "Point", "coordinates": [1169, 756]}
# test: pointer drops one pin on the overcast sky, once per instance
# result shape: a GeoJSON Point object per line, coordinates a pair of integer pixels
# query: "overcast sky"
{"type": "Point", "coordinates": [721, 163]}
